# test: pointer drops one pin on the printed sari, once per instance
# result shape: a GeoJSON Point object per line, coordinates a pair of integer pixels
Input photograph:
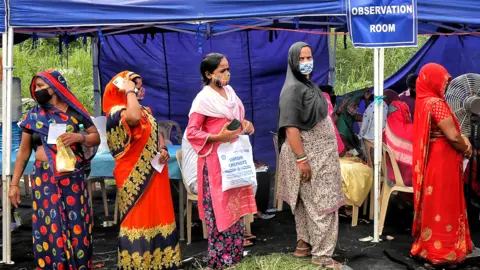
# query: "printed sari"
{"type": "Point", "coordinates": [148, 236]}
{"type": "Point", "coordinates": [62, 216]}
{"type": "Point", "coordinates": [440, 225]}
{"type": "Point", "coordinates": [398, 135]}
{"type": "Point", "coordinates": [346, 112]}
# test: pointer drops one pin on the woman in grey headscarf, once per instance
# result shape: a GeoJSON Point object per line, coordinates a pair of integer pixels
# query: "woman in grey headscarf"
{"type": "Point", "coordinates": [309, 168]}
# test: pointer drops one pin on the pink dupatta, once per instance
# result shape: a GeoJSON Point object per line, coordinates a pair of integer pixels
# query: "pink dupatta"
{"type": "Point", "coordinates": [209, 113]}
{"type": "Point", "coordinates": [341, 146]}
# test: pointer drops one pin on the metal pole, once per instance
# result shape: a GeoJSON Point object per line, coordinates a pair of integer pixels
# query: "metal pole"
{"type": "Point", "coordinates": [330, 55]}
{"type": "Point", "coordinates": [96, 78]}
{"type": "Point", "coordinates": [334, 64]}
{"type": "Point", "coordinates": [377, 108]}
{"type": "Point", "coordinates": [7, 49]}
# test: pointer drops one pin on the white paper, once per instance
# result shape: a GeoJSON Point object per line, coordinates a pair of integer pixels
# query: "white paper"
{"type": "Point", "coordinates": [156, 163]}
{"type": "Point", "coordinates": [465, 163]}
{"type": "Point", "coordinates": [54, 131]}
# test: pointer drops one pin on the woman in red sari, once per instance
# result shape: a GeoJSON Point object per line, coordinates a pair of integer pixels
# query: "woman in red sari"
{"type": "Point", "coordinates": [440, 226]}
{"type": "Point", "coordinates": [148, 235]}
{"type": "Point", "coordinates": [398, 135]}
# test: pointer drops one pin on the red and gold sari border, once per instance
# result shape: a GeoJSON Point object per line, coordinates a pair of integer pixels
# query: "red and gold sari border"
{"type": "Point", "coordinates": [148, 234]}
{"type": "Point", "coordinates": [167, 258]}
{"type": "Point", "coordinates": [142, 172]}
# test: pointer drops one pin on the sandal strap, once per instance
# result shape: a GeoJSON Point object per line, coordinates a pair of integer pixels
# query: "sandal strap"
{"type": "Point", "coordinates": [302, 249]}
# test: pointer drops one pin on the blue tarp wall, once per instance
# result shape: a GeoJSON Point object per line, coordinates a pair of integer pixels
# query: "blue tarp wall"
{"type": "Point", "coordinates": [458, 54]}
{"type": "Point", "coordinates": [170, 66]}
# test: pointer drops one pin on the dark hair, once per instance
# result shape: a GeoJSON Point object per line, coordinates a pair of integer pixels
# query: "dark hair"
{"type": "Point", "coordinates": [209, 63]}
{"type": "Point", "coordinates": [412, 81]}
{"type": "Point", "coordinates": [326, 88]}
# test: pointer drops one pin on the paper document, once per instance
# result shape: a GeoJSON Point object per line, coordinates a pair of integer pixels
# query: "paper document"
{"type": "Point", "coordinates": [54, 131]}
{"type": "Point", "coordinates": [465, 163]}
{"type": "Point", "coordinates": [156, 163]}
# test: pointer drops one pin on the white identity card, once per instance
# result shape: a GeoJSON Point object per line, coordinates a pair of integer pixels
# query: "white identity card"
{"type": "Point", "coordinates": [54, 131]}
{"type": "Point", "coordinates": [156, 163]}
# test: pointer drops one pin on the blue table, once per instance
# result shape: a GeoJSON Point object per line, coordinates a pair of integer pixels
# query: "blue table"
{"type": "Point", "coordinates": [103, 164]}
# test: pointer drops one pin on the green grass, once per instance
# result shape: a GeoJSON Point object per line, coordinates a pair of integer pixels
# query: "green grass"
{"type": "Point", "coordinates": [354, 66]}
{"type": "Point", "coordinates": [276, 261]}
{"type": "Point", "coordinates": [78, 73]}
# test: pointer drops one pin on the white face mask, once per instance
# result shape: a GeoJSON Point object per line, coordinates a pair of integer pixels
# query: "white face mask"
{"type": "Point", "coordinates": [306, 67]}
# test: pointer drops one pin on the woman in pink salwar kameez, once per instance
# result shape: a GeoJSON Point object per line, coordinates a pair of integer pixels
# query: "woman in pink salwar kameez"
{"type": "Point", "coordinates": [212, 110]}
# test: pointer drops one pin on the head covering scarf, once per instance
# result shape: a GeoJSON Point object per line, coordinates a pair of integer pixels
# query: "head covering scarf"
{"type": "Point", "coordinates": [399, 136]}
{"type": "Point", "coordinates": [38, 119]}
{"type": "Point", "coordinates": [390, 96]}
{"type": "Point", "coordinates": [431, 83]}
{"type": "Point", "coordinates": [111, 96]}
{"type": "Point", "coordinates": [302, 104]}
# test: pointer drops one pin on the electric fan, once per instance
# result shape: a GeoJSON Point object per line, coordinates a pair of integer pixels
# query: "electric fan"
{"type": "Point", "coordinates": [463, 97]}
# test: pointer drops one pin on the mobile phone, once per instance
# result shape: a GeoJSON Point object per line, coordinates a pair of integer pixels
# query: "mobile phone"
{"type": "Point", "coordinates": [118, 82]}
{"type": "Point", "coordinates": [234, 125]}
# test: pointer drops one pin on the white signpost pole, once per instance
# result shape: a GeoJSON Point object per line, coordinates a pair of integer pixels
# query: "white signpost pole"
{"type": "Point", "coordinates": [378, 60]}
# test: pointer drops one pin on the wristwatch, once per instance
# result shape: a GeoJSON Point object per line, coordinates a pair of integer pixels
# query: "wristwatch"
{"type": "Point", "coordinates": [135, 90]}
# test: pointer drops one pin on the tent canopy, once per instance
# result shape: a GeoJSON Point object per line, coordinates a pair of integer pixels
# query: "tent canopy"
{"type": "Point", "coordinates": [194, 16]}
{"type": "Point", "coordinates": [65, 13]}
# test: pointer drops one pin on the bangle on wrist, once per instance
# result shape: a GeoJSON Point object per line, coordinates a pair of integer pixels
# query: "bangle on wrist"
{"type": "Point", "coordinates": [84, 138]}
{"type": "Point", "coordinates": [302, 160]}
{"type": "Point", "coordinates": [130, 91]}
{"type": "Point", "coordinates": [164, 147]}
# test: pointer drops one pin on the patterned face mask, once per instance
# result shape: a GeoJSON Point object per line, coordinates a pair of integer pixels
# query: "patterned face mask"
{"type": "Point", "coordinates": [141, 93]}
{"type": "Point", "coordinates": [306, 67]}
{"type": "Point", "coordinates": [221, 80]}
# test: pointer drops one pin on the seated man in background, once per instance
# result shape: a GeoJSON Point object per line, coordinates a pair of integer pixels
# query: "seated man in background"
{"type": "Point", "coordinates": [367, 130]}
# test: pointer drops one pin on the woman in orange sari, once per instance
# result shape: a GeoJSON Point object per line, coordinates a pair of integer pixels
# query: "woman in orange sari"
{"type": "Point", "coordinates": [440, 226]}
{"type": "Point", "coordinates": [148, 236]}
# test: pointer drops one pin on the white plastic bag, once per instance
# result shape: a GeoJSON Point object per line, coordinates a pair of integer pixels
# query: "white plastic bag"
{"type": "Point", "coordinates": [101, 125]}
{"type": "Point", "coordinates": [236, 163]}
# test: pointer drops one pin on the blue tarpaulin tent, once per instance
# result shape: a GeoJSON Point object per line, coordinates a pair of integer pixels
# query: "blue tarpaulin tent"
{"type": "Point", "coordinates": [458, 54]}
{"type": "Point", "coordinates": [170, 66]}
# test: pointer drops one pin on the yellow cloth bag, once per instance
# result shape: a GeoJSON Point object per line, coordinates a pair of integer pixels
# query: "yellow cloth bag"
{"type": "Point", "coordinates": [65, 160]}
{"type": "Point", "coordinates": [357, 179]}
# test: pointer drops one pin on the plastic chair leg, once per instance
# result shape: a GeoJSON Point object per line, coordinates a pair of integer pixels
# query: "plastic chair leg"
{"type": "Point", "coordinates": [356, 209]}
{"type": "Point", "coordinates": [104, 197]}
{"type": "Point", "coordinates": [189, 221]}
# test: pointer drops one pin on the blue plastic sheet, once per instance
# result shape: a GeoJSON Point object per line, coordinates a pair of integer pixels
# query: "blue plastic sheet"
{"type": "Point", "coordinates": [458, 54]}
{"type": "Point", "coordinates": [170, 66]}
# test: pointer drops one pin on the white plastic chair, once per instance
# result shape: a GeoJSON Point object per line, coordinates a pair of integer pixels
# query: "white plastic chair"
{"type": "Point", "coordinates": [190, 199]}
{"type": "Point", "coordinates": [387, 190]}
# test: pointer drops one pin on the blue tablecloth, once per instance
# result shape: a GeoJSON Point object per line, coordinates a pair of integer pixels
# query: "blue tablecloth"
{"type": "Point", "coordinates": [103, 164]}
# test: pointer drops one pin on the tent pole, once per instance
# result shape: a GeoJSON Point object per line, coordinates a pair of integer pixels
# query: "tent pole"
{"type": "Point", "coordinates": [96, 78]}
{"type": "Point", "coordinates": [5, 201]}
{"type": "Point", "coordinates": [7, 50]}
{"type": "Point", "coordinates": [334, 63]}
{"type": "Point", "coordinates": [330, 55]}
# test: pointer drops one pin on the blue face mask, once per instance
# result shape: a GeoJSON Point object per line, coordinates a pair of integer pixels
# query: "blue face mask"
{"type": "Point", "coordinates": [306, 67]}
